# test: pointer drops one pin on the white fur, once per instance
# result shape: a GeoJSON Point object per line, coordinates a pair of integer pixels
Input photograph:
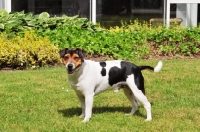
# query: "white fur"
{"type": "Point", "coordinates": [88, 81]}
{"type": "Point", "coordinates": [158, 67]}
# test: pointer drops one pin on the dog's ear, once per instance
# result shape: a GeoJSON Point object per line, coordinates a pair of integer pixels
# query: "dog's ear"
{"type": "Point", "coordinates": [81, 52]}
{"type": "Point", "coordinates": [62, 52]}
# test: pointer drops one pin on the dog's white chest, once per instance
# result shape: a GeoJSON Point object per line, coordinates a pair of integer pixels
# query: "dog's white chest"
{"type": "Point", "coordinates": [76, 86]}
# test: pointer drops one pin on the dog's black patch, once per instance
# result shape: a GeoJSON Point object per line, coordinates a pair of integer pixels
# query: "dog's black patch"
{"type": "Point", "coordinates": [103, 71]}
{"type": "Point", "coordinates": [117, 74]}
{"type": "Point", "coordinates": [102, 64]}
{"type": "Point", "coordinates": [63, 52]}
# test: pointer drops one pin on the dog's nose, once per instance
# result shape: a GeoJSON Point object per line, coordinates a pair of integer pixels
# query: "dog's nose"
{"type": "Point", "coordinates": [70, 66]}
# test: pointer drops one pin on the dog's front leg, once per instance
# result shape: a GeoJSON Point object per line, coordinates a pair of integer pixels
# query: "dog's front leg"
{"type": "Point", "coordinates": [88, 107]}
{"type": "Point", "coordinates": [82, 101]}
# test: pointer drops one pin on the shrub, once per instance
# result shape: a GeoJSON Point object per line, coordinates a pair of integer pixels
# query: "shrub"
{"type": "Point", "coordinates": [136, 40]}
{"type": "Point", "coordinates": [177, 40]}
{"type": "Point", "coordinates": [121, 44]}
{"type": "Point", "coordinates": [173, 41]}
{"type": "Point", "coordinates": [29, 50]}
{"type": "Point", "coordinates": [133, 40]}
{"type": "Point", "coordinates": [16, 23]}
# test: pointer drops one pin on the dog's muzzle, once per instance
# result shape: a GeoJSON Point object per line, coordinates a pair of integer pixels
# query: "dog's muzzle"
{"type": "Point", "coordinates": [70, 68]}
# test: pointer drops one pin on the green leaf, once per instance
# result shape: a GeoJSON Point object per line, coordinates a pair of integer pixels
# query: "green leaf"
{"type": "Point", "coordinates": [44, 15]}
{"type": "Point", "coordinates": [32, 23]}
{"type": "Point", "coordinates": [1, 26]}
{"type": "Point", "coordinates": [4, 13]}
{"type": "Point", "coordinates": [28, 16]}
{"type": "Point", "coordinates": [3, 19]}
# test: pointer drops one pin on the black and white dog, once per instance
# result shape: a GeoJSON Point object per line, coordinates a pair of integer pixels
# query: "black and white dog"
{"type": "Point", "coordinates": [89, 78]}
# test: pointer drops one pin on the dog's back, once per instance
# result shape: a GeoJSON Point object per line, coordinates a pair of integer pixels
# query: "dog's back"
{"type": "Point", "coordinates": [89, 78]}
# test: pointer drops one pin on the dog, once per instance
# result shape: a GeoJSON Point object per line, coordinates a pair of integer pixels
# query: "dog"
{"type": "Point", "coordinates": [89, 78]}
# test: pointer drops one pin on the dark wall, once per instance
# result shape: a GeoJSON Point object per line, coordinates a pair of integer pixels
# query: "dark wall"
{"type": "Point", "coordinates": [114, 7]}
{"type": "Point", "coordinates": [198, 15]}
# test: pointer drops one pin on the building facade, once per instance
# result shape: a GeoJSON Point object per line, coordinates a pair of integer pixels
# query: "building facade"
{"type": "Point", "coordinates": [106, 12]}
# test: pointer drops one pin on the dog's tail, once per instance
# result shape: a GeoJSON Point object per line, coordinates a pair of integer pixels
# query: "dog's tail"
{"type": "Point", "coordinates": [156, 69]}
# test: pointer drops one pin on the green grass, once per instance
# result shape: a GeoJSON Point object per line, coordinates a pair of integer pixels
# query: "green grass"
{"type": "Point", "coordinates": [42, 100]}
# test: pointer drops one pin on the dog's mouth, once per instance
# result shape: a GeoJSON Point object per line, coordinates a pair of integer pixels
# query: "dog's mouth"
{"type": "Point", "coordinates": [71, 70]}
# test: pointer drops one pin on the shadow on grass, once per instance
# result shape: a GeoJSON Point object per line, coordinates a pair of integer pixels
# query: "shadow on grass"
{"type": "Point", "coordinates": [98, 110]}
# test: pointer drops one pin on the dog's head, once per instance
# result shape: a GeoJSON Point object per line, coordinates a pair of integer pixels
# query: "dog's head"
{"type": "Point", "coordinates": [72, 58]}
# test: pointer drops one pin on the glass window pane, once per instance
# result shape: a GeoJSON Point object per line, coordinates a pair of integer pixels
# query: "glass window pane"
{"type": "Point", "coordinates": [109, 12]}
{"type": "Point", "coordinates": [53, 7]}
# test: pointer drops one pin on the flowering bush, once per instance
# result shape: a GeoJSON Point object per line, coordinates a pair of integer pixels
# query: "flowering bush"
{"type": "Point", "coordinates": [29, 50]}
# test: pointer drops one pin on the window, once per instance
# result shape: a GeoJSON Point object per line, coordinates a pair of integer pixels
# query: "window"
{"type": "Point", "coordinates": [53, 7]}
{"type": "Point", "coordinates": [108, 12]}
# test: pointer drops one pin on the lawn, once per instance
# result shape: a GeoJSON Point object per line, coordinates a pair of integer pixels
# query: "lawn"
{"type": "Point", "coordinates": [42, 100]}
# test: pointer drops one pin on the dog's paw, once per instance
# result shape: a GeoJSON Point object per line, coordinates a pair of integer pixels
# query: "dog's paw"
{"type": "Point", "coordinates": [82, 116]}
{"type": "Point", "coordinates": [128, 114]}
{"type": "Point", "coordinates": [148, 119]}
{"type": "Point", "coordinates": [133, 110]}
{"type": "Point", "coordinates": [85, 120]}
{"type": "Point", "coordinates": [116, 90]}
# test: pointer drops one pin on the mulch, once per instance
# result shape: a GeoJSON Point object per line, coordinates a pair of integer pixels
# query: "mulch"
{"type": "Point", "coordinates": [104, 58]}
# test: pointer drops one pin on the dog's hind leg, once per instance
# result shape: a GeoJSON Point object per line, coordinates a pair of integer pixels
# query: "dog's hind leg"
{"type": "Point", "coordinates": [129, 94]}
{"type": "Point", "coordinates": [139, 95]}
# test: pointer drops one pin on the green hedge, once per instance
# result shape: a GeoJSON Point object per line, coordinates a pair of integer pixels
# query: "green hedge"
{"type": "Point", "coordinates": [136, 40]}
{"type": "Point", "coordinates": [28, 39]}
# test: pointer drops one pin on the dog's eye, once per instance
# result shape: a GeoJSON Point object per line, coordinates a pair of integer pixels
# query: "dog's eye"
{"type": "Point", "coordinates": [66, 58]}
{"type": "Point", "coordinates": [76, 58]}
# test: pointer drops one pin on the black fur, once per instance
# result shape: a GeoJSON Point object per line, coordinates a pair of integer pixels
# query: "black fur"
{"type": "Point", "coordinates": [62, 52]}
{"type": "Point", "coordinates": [103, 71]}
{"type": "Point", "coordinates": [117, 75]}
{"type": "Point", "coordinates": [78, 51]}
